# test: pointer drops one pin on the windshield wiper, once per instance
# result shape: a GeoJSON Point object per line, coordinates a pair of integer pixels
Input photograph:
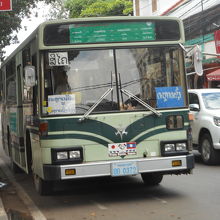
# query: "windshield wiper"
{"type": "Point", "coordinates": [130, 95]}
{"type": "Point", "coordinates": [95, 105]}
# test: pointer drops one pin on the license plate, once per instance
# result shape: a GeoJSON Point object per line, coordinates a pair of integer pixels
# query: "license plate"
{"type": "Point", "coordinates": [124, 168]}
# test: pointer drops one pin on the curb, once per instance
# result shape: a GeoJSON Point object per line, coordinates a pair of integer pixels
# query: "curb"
{"type": "Point", "coordinates": [35, 213]}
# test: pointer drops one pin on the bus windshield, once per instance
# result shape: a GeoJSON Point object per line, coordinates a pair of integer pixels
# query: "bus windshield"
{"type": "Point", "coordinates": [75, 79]}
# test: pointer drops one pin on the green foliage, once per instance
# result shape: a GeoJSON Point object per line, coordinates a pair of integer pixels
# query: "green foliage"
{"type": "Point", "coordinates": [75, 7]}
{"type": "Point", "coordinates": [96, 8]}
{"type": "Point", "coordinates": [58, 10]}
{"type": "Point", "coordinates": [10, 21]}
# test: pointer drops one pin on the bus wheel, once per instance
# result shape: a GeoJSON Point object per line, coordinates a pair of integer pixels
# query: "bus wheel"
{"type": "Point", "coordinates": [209, 155]}
{"type": "Point", "coordinates": [151, 179]}
{"type": "Point", "coordinates": [43, 187]}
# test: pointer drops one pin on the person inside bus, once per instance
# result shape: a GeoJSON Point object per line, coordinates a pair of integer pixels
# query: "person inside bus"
{"type": "Point", "coordinates": [132, 104]}
{"type": "Point", "coordinates": [61, 81]}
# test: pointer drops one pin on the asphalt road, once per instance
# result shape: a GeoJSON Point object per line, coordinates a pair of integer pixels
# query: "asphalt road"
{"type": "Point", "coordinates": [185, 197]}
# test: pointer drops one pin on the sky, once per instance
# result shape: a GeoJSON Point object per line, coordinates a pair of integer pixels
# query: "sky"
{"type": "Point", "coordinates": [29, 25]}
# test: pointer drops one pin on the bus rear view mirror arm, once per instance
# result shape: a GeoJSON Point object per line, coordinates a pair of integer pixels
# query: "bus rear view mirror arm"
{"type": "Point", "coordinates": [94, 106]}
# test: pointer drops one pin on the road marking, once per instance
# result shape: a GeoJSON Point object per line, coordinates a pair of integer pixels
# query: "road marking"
{"type": "Point", "coordinates": [100, 206]}
{"type": "Point", "coordinates": [34, 210]}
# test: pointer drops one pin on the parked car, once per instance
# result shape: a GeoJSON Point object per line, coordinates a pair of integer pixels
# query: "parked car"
{"type": "Point", "coordinates": [205, 106]}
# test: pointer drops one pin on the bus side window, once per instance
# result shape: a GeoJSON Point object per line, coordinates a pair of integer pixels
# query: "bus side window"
{"type": "Point", "coordinates": [35, 89]}
{"type": "Point", "coordinates": [11, 82]}
{"type": "Point", "coordinates": [27, 91]}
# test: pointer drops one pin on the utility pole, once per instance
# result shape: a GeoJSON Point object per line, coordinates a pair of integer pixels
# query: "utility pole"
{"type": "Point", "coordinates": [202, 24]}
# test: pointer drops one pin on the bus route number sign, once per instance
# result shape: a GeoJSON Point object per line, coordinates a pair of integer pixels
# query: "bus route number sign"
{"type": "Point", "coordinates": [5, 5]}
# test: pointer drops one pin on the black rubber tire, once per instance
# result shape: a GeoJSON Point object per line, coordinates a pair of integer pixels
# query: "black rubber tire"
{"type": "Point", "coordinates": [209, 155]}
{"type": "Point", "coordinates": [43, 187]}
{"type": "Point", "coordinates": [152, 179]}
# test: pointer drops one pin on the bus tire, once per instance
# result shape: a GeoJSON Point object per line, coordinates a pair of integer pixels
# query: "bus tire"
{"type": "Point", "coordinates": [209, 155]}
{"type": "Point", "coordinates": [151, 179]}
{"type": "Point", "coordinates": [43, 187]}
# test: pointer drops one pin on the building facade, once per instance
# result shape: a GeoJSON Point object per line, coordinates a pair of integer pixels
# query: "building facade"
{"type": "Point", "coordinates": [202, 27]}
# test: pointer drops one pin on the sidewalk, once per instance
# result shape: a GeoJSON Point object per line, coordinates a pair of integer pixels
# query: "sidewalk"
{"type": "Point", "coordinates": [12, 206]}
{"type": "Point", "coordinates": [3, 215]}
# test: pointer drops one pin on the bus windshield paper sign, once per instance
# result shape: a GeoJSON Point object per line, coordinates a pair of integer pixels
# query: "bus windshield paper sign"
{"type": "Point", "coordinates": [58, 59]}
{"type": "Point", "coordinates": [61, 104]}
{"type": "Point", "coordinates": [169, 97]}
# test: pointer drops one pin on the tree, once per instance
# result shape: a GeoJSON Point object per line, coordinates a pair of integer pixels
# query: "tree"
{"type": "Point", "coordinates": [96, 8]}
{"type": "Point", "coordinates": [10, 21]}
{"type": "Point", "coordinates": [58, 10]}
{"type": "Point", "coordinates": [75, 7]}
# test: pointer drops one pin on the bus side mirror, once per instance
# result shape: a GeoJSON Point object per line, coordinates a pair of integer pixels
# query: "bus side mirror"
{"type": "Point", "coordinates": [30, 76]}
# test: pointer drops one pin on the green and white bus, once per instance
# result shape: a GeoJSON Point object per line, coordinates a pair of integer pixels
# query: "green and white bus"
{"type": "Point", "coordinates": [97, 97]}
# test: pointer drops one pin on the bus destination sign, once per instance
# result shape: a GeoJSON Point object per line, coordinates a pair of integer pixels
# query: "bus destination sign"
{"type": "Point", "coordinates": [5, 5]}
{"type": "Point", "coordinates": [112, 32]}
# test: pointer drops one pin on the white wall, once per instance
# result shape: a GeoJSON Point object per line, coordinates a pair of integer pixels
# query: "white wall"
{"type": "Point", "coordinates": [145, 6]}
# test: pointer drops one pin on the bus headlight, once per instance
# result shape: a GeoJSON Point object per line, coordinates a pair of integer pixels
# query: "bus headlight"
{"type": "Point", "coordinates": [74, 154]}
{"type": "Point", "coordinates": [172, 148]}
{"type": "Point", "coordinates": [63, 155]}
{"type": "Point", "coordinates": [67, 155]}
{"type": "Point", "coordinates": [180, 146]}
{"type": "Point", "coordinates": [169, 147]}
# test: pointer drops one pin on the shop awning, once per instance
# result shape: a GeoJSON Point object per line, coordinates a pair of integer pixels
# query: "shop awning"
{"type": "Point", "coordinates": [214, 76]}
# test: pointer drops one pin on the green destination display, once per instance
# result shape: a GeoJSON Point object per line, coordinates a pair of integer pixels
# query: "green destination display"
{"type": "Point", "coordinates": [112, 32]}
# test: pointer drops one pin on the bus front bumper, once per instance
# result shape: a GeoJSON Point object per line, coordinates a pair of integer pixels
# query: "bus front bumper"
{"type": "Point", "coordinates": [165, 165]}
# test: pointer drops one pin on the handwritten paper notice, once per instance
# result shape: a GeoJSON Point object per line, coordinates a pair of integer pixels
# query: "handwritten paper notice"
{"type": "Point", "coordinates": [61, 104]}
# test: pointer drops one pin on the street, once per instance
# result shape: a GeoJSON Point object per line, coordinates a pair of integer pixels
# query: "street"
{"type": "Point", "coordinates": [186, 197]}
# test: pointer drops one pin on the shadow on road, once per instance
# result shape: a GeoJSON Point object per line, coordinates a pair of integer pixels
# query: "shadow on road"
{"type": "Point", "coordinates": [197, 157]}
{"type": "Point", "coordinates": [109, 190]}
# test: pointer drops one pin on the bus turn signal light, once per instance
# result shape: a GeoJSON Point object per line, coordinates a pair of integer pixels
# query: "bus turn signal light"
{"type": "Point", "coordinates": [176, 163]}
{"type": "Point", "coordinates": [70, 171]}
{"type": "Point", "coordinates": [43, 128]}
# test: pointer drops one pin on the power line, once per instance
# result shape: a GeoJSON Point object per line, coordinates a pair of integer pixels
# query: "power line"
{"type": "Point", "coordinates": [209, 16]}
{"type": "Point", "coordinates": [194, 7]}
{"type": "Point", "coordinates": [196, 4]}
{"type": "Point", "coordinates": [180, 7]}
